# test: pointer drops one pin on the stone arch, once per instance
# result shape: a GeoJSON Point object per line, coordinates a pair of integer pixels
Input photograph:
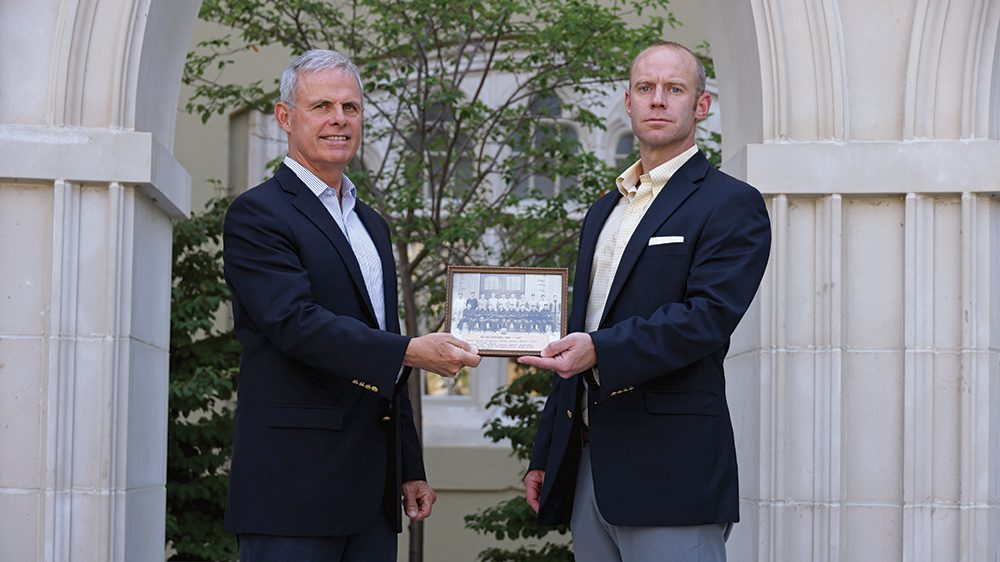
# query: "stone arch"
{"type": "Point", "coordinates": [870, 129]}
{"type": "Point", "coordinates": [944, 99]}
{"type": "Point", "coordinates": [88, 186]}
{"type": "Point", "coordinates": [814, 116]}
{"type": "Point", "coordinates": [118, 64]}
{"type": "Point", "coordinates": [777, 83]}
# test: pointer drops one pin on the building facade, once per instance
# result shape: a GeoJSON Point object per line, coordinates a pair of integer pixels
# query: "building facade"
{"type": "Point", "coordinates": [864, 383]}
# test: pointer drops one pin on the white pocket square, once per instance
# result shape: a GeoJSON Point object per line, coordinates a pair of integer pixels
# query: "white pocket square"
{"type": "Point", "coordinates": [657, 240]}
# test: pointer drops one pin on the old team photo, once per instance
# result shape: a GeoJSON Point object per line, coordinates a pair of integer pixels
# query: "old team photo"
{"type": "Point", "coordinates": [507, 311]}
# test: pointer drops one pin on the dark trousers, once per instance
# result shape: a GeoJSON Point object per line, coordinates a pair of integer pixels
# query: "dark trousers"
{"type": "Point", "coordinates": [377, 544]}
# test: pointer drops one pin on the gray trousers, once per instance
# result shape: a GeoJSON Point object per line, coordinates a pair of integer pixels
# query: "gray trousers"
{"type": "Point", "coordinates": [596, 540]}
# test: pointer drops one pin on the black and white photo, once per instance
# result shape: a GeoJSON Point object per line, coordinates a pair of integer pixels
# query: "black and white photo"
{"type": "Point", "coordinates": [507, 311]}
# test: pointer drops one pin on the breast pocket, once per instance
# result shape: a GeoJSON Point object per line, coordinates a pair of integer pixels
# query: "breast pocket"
{"type": "Point", "coordinates": [671, 249]}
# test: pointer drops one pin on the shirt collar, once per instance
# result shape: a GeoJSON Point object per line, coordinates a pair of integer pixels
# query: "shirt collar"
{"type": "Point", "coordinates": [629, 180]}
{"type": "Point", "coordinates": [348, 195]}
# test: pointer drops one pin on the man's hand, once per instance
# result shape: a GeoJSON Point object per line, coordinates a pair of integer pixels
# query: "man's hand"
{"type": "Point", "coordinates": [571, 355]}
{"type": "Point", "coordinates": [443, 354]}
{"type": "Point", "coordinates": [533, 481]}
{"type": "Point", "coordinates": [418, 497]}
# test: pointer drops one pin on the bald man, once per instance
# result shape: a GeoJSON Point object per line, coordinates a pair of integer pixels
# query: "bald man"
{"type": "Point", "coordinates": [635, 445]}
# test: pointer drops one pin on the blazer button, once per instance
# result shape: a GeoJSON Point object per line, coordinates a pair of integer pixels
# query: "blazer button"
{"type": "Point", "coordinates": [385, 418]}
{"type": "Point", "coordinates": [569, 414]}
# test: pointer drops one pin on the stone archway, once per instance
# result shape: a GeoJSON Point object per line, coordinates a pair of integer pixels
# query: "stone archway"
{"type": "Point", "coordinates": [88, 187]}
{"type": "Point", "coordinates": [865, 381]}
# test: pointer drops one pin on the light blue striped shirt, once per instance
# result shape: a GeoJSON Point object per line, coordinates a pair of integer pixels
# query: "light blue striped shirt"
{"type": "Point", "coordinates": [349, 223]}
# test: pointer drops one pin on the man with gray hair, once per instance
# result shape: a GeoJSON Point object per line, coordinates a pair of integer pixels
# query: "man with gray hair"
{"type": "Point", "coordinates": [325, 445]}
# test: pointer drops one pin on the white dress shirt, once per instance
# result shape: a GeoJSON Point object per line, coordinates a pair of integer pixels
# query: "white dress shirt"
{"type": "Point", "coordinates": [357, 236]}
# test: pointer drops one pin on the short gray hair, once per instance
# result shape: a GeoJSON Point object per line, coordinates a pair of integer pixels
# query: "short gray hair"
{"type": "Point", "coordinates": [313, 61]}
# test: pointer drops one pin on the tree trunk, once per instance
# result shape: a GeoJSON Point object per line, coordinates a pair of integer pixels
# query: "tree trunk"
{"type": "Point", "coordinates": [409, 300]}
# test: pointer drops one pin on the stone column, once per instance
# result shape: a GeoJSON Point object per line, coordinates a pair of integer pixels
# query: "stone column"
{"type": "Point", "coordinates": [88, 188]}
{"type": "Point", "coordinates": [865, 384]}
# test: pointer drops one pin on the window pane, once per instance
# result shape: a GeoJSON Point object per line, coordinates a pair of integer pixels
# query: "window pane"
{"type": "Point", "coordinates": [544, 185]}
{"type": "Point", "coordinates": [549, 130]}
{"type": "Point", "coordinates": [436, 385]}
{"type": "Point", "coordinates": [570, 134]}
{"type": "Point", "coordinates": [490, 283]}
{"type": "Point", "coordinates": [513, 283]}
{"type": "Point", "coordinates": [434, 149]}
{"type": "Point", "coordinates": [513, 370]}
{"type": "Point", "coordinates": [548, 106]}
{"type": "Point", "coordinates": [624, 145]}
{"type": "Point", "coordinates": [463, 176]}
{"type": "Point", "coordinates": [516, 371]}
{"type": "Point", "coordinates": [625, 152]}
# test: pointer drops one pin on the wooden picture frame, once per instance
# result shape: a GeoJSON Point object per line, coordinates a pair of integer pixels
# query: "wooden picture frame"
{"type": "Point", "coordinates": [507, 311]}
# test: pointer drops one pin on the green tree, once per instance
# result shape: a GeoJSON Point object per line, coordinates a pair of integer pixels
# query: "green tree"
{"type": "Point", "coordinates": [203, 361]}
{"type": "Point", "coordinates": [466, 151]}
{"type": "Point", "coordinates": [449, 169]}
{"type": "Point", "coordinates": [519, 410]}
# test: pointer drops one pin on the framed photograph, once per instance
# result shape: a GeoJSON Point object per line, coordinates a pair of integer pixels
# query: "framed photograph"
{"type": "Point", "coordinates": [507, 311]}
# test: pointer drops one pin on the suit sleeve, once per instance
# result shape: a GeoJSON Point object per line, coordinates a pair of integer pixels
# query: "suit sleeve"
{"type": "Point", "coordinates": [270, 284]}
{"type": "Point", "coordinates": [413, 460]}
{"type": "Point", "coordinates": [727, 265]}
{"type": "Point", "coordinates": [543, 435]}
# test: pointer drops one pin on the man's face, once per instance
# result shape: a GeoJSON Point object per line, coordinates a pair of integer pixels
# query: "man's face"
{"type": "Point", "coordinates": [662, 102]}
{"type": "Point", "coordinates": [324, 127]}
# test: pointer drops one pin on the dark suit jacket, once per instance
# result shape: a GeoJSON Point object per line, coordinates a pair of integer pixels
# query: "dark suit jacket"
{"type": "Point", "coordinates": [324, 434]}
{"type": "Point", "coordinates": [662, 446]}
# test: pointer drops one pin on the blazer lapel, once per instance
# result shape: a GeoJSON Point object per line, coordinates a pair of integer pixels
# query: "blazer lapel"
{"type": "Point", "coordinates": [309, 205]}
{"type": "Point", "coordinates": [369, 218]}
{"type": "Point", "coordinates": [674, 193]}
{"type": "Point", "coordinates": [588, 244]}
{"type": "Point", "coordinates": [382, 245]}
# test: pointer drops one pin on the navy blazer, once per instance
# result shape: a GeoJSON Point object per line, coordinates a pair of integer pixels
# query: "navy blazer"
{"type": "Point", "coordinates": [661, 439]}
{"type": "Point", "coordinates": [324, 433]}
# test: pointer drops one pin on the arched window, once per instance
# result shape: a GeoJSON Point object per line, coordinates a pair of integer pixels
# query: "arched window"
{"type": "Point", "coordinates": [550, 128]}
{"type": "Point", "coordinates": [447, 157]}
{"type": "Point", "coordinates": [625, 151]}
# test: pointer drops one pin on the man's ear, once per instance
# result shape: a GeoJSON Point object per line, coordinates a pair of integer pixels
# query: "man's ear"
{"type": "Point", "coordinates": [281, 115]}
{"type": "Point", "coordinates": [703, 105]}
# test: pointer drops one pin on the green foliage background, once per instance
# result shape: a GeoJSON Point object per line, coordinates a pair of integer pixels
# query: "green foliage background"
{"type": "Point", "coordinates": [203, 363]}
